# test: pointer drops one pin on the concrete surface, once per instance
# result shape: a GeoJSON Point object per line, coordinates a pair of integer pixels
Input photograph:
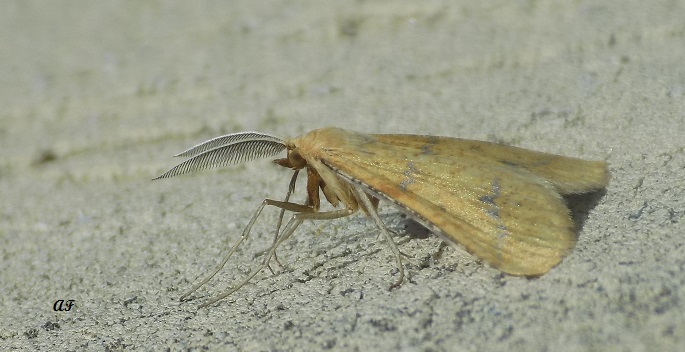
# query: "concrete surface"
{"type": "Point", "coordinates": [96, 97]}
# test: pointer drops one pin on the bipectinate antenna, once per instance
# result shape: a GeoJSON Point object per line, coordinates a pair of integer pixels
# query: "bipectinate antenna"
{"type": "Point", "coordinates": [226, 150]}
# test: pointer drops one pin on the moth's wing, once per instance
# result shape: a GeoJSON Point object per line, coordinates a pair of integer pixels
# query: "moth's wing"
{"type": "Point", "coordinates": [511, 218]}
{"type": "Point", "coordinates": [569, 175]}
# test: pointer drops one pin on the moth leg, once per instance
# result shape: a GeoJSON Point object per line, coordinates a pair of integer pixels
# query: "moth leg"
{"type": "Point", "coordinates": [401, 241]}
{"type": "Point", "coordinates": [287, 231]}
{"type": "Point", "coordinates": [228, 255]}
{"type": "Point", "coordinates": [361, 196]}
{"type": "Point", "coordinates": [294, 207]}
{"type": "Point", "coordinates": [326, 215]}
{"type": "Point", "coordinates": [290, 227]}
{"type": "Point", "coordinates": [291, 189]}
{"type": "Point", "coordinates": [243, 237]}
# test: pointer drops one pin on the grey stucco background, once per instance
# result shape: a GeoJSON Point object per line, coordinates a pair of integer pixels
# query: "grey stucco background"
{"type": "Point", "coordinates": [96, 96]}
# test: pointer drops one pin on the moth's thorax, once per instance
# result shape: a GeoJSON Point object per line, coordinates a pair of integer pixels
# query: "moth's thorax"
{"type": "Point", "coordinates": [303, 149]}
{"type": "Point", "coordinates": [325, 140]}
{"type": "Point", "coordinates": [309, 151]}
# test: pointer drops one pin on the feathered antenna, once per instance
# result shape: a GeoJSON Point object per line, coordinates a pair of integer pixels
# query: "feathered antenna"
{"type": "Point", "coordinates": [226, 140]}
{"type": "Point", "coordinates": [226, 150]}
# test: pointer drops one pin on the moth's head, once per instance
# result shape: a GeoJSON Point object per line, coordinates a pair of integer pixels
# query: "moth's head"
{"type": "Point", "coordinates": [294, 160]}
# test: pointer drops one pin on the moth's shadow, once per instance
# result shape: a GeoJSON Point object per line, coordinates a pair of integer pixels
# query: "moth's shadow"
{"type": "Point", "coordinates": [413, 229]}
{"type": "Point", "coordinates": [580, 206]}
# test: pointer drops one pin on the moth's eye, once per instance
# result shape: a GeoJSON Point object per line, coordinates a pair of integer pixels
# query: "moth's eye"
{"type": "Point", "coordinates": [296, 160]}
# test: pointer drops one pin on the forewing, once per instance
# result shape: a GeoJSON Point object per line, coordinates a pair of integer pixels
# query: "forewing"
{"type": "Point", "coordinates": [568, 175]}
{"type": "Point", "coordinates": [511, 218]}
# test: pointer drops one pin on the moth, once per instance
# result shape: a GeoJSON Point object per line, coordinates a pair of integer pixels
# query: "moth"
{"type": "Point", "coordinates": [501, 203]}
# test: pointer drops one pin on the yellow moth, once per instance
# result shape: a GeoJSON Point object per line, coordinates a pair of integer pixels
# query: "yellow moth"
{"type": "Point", "coordinates": [502, 204]}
